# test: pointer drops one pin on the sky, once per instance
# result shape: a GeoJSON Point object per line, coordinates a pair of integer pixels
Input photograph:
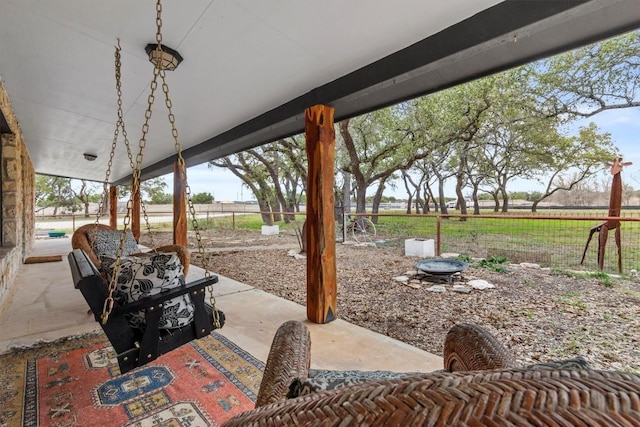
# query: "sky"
{"type": "Point", "coordinates": [623, 125]}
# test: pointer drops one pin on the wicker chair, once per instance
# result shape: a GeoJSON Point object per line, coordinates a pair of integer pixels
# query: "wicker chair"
{"type": "Point", "coordinates": [80, 240]}
{"type": "Point", "coordinates": [501, 396]}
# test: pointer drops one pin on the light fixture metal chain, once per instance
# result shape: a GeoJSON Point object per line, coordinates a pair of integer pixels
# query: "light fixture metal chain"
{"type": "Point", "coordinates": [159, 22]}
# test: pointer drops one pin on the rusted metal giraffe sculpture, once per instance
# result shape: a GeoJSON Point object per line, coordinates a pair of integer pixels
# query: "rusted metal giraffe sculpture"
{"type": "Point", "coordinates": [615, 203]}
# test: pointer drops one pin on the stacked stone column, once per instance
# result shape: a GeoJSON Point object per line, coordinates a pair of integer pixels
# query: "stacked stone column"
{"type": "Point", "coordinates": [17, 189]}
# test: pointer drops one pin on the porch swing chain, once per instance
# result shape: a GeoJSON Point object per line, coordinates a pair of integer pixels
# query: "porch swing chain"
{"type": "Point", "coordinates": [108, 303]}
{"type": "Point", "coordinates": [135, 186]}
{"type": "Point", "coordinates": [192, 210]}
{"type": "Point", "coordinates": [119, 125]}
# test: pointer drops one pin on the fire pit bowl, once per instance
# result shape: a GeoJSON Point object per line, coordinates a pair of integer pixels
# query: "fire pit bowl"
{"type": "Point", "coordinates": [440, 268]}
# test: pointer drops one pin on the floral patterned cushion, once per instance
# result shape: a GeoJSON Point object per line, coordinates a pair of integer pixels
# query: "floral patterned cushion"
{"type": "Point", "coordinates": [321, 380]}
{"type": "Point", "coordinates": [106, 243]}
{"type": "Point", "coordinates": [151, 274]}
{"type": "Point", "coordinates": [577, 362]}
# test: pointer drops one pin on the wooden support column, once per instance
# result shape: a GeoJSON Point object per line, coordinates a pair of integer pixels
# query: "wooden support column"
{"type": "Point", "coordinates": [179, 204]}
{"type": "Point", "coordinates": [321, 237]}
{"type": "Point", "coordinates": [135, 213]}
{"type": "Point", "coordinates": [113, 206]}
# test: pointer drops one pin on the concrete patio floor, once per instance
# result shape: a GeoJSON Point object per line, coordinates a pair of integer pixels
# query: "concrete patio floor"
{"type": "Point", "coordinates": [43, 306]}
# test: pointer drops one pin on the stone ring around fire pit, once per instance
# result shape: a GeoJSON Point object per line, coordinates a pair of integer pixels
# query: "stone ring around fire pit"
{"type": "Point", "coordinates": [440, 269]}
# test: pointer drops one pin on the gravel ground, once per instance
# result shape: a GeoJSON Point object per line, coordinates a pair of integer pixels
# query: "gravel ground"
{"type": "Point", "coordinates": [541, 315]}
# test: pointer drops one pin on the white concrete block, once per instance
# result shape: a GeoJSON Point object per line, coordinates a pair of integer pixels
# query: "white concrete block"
{"type": "Point", "coordinates": [424, 248]}
{"type": "Point", "coordinates": [270, 230]}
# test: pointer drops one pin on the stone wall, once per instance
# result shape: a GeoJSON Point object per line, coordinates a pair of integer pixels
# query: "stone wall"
{"type": "Point", "coordinates": [17, 179]}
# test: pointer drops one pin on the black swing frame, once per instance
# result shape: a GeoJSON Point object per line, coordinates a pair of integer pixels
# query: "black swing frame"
{"type": "Point", "coordinates": [133, 346]}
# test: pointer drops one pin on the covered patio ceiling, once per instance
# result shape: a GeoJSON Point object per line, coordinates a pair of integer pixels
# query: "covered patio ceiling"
{"type": "Point", "coordinates": [252, 67]}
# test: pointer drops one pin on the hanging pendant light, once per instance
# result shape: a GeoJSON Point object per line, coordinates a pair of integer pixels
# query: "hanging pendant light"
{"type": "Point", "coordinates": [165, 58]}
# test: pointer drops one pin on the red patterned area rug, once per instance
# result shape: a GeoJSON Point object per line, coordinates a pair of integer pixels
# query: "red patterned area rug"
{"type": "Point", "coordinates": [76, 382]}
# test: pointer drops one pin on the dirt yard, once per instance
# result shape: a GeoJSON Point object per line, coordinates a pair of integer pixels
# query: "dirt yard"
{"type": "Point", "coordinates": [541, 315]}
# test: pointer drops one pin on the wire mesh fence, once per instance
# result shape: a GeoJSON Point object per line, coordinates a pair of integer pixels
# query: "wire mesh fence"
{"type": "Point", "coordinates": [552, 241]}
{"type": "Point", "coordinates": [557, 241]}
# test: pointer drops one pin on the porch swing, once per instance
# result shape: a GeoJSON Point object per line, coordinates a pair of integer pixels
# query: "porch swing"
{"type": "Point", "coordinates": [141, 300]}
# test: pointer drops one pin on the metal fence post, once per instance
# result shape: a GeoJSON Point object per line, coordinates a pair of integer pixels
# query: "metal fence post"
{"type": "Point", "coordinates": [344, 226]}
{"type": "Point", "coordinates": [438, 218]}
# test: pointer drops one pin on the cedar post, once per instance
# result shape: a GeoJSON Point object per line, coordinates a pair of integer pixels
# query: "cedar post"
{"type": "Point", "coordinates": [179, 204]}
{"type": "Point", "coordinates": [113, 206]}
{"type": "Point", "coordinates": [320, 230]}
{"type": "Point", "coordinates": [135, 213]}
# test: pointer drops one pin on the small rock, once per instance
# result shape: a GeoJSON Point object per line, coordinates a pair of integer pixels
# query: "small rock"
{"type": "Point", "coordinates": [461, 289]}
{"type": "Point", "coordinates": [480, 284]}
{"type": "Point", "coordinates": [437, 288]}
{"type": "Point", "coordinates": [414, 281]}
{"type": "Point", "coordinates": [297, 255]}
{"type": "Point", "coordinates": [410, 273]}
{"type": "Point", "coordinates": [413, 285]}
{"type": "Point", "coordinates": [530, 265]}
{"type": "Point", "coordinates": [449, 255]}
{"type": "Point", "coordinates": [365, 244]}
{"type": "Point", "coordinates": [402, 279]}
{"type": "Point", "coordinates": [580, 273]}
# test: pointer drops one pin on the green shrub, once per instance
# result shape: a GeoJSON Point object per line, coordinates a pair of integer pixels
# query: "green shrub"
{"type": "Point", "coordinates": [495, 263]}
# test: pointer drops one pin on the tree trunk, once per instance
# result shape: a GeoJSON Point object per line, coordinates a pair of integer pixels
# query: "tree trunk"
{"type": "Point", "coordinates": [429, 196]}
{"type": "Point", "coordinates": [442, 201]}
{"type": "Point", "coordinates": [377, 198]}
{"type": "Point", "coordinates": [462, 204]}
{"type": "Point", "coordinates": [361, 183]}
{"type": "Point", "coordinates": [346, 192]}
{"type": "Point", "coordinates": [534, 206]}
{"type": "Point", "coordinates": [505, 201]}
{"type": "Point", "coordinates": [290, 207]}
{"type": "Point", "coordinates": [361, 197]}
{"type": "Point", "coordinates": [422, 205]}
{"type": "Point", "coordinates": [460, 180]}
{"type": "Point", "coordinates": [265, 211]}
{"type": "Point", "coordinates": [476, 201]}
